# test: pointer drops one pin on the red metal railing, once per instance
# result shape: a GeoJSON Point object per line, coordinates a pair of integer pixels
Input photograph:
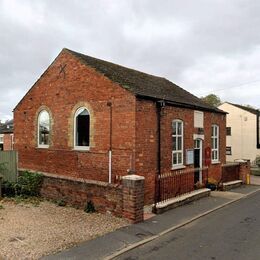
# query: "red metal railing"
{"type": "Point", "coordinates": [230, 172]}
{"type": "Point", "coordinates": [176, 183]}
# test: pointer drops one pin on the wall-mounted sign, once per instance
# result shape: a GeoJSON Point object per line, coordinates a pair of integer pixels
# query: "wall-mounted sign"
{"type": "Point", "coordinates": [189, 156]}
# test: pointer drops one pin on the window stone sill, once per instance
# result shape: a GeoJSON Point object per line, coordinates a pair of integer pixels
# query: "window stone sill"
{"type": "Point", "coordinates": [82, 149]}
{"type": "Point", "coordinates": [215, 162]}
{"type": "Point", "coordinates": [179, 167]}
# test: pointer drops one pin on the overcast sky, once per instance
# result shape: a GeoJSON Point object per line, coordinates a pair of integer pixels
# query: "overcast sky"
{"type": "Point", "coordinates": [204, 46]}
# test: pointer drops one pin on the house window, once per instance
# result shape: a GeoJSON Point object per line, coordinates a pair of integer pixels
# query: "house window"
{"type": "Point", "coordinates": [177, 143]}
{"type": "Point", "coordinates": [215, 143]}
{"type": "Point", "coordinates": [43, 129]}
{"type": "Point", "coordinates": [228, 130]}
{"type": "Point", "coordinates": [228, 150]}
{"type": "Point", "coordinates": [81, 129]}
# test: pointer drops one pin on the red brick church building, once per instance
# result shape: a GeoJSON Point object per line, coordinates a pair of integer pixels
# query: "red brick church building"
{"type": "Point", "coordinates": [91, 119]}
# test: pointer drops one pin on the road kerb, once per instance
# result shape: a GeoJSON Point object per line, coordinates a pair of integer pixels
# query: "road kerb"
{"type": "Point", "coordinates": [149, 239]}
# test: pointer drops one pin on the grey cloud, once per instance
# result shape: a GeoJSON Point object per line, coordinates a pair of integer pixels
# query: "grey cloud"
{"type": "Point", "coordinates": [201, 45]}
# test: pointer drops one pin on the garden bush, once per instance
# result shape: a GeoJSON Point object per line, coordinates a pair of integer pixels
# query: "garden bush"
{"type": "Point", "coordinates": [28, 184]}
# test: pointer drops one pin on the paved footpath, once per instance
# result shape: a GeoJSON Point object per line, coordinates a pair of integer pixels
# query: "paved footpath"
{"type": "Point", "coordinates": [114, 244]}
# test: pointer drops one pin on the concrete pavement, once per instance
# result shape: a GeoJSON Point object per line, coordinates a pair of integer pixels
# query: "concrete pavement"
{"type": "Point", "coordinates": [113, 244]}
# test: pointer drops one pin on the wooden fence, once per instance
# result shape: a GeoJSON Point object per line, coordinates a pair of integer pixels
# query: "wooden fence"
{"type": "Point", "coordinates": [8, 165]}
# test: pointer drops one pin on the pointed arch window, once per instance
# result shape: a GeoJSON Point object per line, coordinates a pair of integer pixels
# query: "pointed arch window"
{"type": "Point", "coordinates": [43, 129]}
{"type": "Point", "coordinates": [82, 129]}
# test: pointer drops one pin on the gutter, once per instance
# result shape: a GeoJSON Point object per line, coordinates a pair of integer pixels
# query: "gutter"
{"type": "Point", "coordinates": [183, 105]}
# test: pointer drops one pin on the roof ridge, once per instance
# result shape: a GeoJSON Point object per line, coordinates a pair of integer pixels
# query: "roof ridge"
{"type": "Point", "coordinates": [143, 84]}
{"type": "Point", "coordinates": [116, 64]}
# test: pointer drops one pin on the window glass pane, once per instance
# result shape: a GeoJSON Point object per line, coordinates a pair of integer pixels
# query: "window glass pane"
{"type": "Point", "coordinates": [179, 158]}
{"type": "Point", "coordinates": [44, 128]}
{"type": "Point", "coordinates": [82, 129]}
{"type": "Point", "coordinates": [179, 128]}
{"type": "Point", "coordinates": [174, 144]}
{"type": "Point", "coordinates": [174, 158]}
{"type": "Point", "coordinates": [216, 143]}
{"type": "Point", "coordinates": [179, 147]}
{"type": "Point", "coordinates": [174, 128]}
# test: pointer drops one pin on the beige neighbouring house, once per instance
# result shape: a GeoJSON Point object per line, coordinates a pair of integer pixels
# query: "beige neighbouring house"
{"type": "Point", "coordinates": [243, 137]}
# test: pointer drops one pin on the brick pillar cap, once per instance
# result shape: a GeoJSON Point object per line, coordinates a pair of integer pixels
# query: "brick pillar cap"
{"type": "Point", "coordinates": [133, 177]}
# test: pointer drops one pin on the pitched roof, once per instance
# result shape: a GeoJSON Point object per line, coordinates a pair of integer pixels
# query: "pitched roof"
{"type": "Point", "coordinates": [248, 109]}
{"type": "Point", "coordinates": [7, 127]}
{"type": "Point", "coordinates": [145, 85]}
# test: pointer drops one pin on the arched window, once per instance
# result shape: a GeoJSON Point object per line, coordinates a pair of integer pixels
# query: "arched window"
{"type": "Point", "coordinates": [43, 129]}
{"type": "Point", "coordinates": [177, 143]}
{"type": "Point", "coordinates": [81, 129]}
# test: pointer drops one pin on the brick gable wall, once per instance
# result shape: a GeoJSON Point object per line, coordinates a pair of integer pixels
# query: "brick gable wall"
{"type": "Point", "coordinates": [61, 94]}
{"type": "Point", "coordinates": [8, 142]}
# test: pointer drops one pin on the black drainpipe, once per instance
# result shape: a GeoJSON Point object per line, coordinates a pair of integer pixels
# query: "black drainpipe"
{"type": "Point", "coordinates": [159, 105]}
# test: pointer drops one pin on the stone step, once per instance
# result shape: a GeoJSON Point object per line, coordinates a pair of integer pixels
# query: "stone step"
{"type": "Point", "coordinates": [181, 200]}
{"type": "Point", "coordinates": [231, 185]}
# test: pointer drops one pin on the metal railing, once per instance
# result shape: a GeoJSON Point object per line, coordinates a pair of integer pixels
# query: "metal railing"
{"type": "Point", "coordinates": [179, 182]}
{"type": "Point", "coordinates": [230, 172]}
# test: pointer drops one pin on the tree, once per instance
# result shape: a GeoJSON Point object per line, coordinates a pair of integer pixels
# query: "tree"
{"type": "Point", "coordinates": [212, 99]}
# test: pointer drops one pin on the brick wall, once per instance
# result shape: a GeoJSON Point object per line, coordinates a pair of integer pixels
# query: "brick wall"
{"type": "Point", "coordinates": [126, 200]}
{"type": "Point", "coordinates": [147, 140]}
{"type": "Point", "coordinates": [146, 145]}
{"type": "Point", "coordinates": [134, 127]}
{"type": "Point", "coordinates": [61, 94]}
{"type": "Point", "coordinates": [8, 142]}
{"type": "Point", "coordinates": [105, 197]}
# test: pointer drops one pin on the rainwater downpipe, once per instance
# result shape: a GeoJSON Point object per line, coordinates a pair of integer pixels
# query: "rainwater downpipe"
{"type": "Point", "coordinates": [110, 146]}
{"type": "Point", "coordinates": [159, 105]}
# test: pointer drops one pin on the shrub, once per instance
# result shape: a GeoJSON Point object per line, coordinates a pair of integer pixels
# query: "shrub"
{"type": "Point", "coordinates": [61, 203]}
{"type": "Point", "coordinates": [29, 184]}
{"type": "Point", "coordinates": [90, 208]}
{"type": "Point", "coordinates": [8, 189]}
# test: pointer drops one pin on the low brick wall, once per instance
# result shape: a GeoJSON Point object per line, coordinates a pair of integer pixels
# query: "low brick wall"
{"type": "Point", "coordinates": [122, 200]}
{"type": "Point", "coordinates": [105, 197]}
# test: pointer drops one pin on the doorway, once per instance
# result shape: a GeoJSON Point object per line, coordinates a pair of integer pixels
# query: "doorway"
{"type": "Point", "coordinates": [197, 160]}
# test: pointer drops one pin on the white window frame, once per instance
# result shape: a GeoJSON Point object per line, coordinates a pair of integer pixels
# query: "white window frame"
{"type": "Point", "coordinates": [76, 147]}
{"type": "Point", "coordinates": [177, 151]}
{"type": "Point", "coordinates": [1, 138]}
{"type": "Point", "coordinates": [38, 130]}
{"type": "Point", "coordinates": [214, 150]}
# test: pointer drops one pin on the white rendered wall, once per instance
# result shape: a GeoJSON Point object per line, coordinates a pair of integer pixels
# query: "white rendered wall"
{"type": "Point", "coordinates": [243, 133]}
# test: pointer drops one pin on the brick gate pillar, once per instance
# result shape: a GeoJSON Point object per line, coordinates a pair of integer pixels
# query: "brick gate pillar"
{"type": "Point", "coordinates": [244, 171]}
{"type": "Point", "coordinates": [133, 198]}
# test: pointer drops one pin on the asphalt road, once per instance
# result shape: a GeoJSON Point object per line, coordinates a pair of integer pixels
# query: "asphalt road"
{"type": "Point", "coordinates": [232, 232]}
